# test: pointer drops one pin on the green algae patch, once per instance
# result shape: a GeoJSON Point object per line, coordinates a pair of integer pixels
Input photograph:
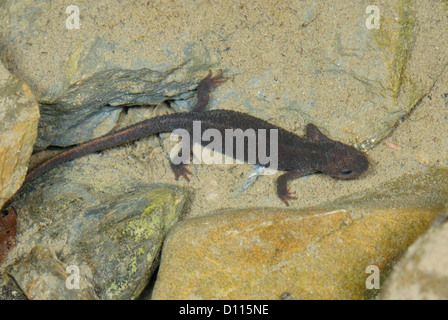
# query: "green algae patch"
{"type": "Point", "coordinates": [139, 236]}
{"type": "Point", "coordinates": [115, 237]}
{"type": "Point", "coordinates": [396, 38]}
{"type": "Point", "coordinates": [403, 47]}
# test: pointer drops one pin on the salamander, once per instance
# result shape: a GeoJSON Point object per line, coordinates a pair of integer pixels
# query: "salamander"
{"type": "Point", "coordinates": [297, 156]}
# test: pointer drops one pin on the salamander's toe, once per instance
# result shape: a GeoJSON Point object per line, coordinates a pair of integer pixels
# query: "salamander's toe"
{"type": "Point", "coordinates": [217, 79]}
{"type": "Point", "coordinates": [288, 196]}
{"type": "Point", "coordinates": [181, 170]}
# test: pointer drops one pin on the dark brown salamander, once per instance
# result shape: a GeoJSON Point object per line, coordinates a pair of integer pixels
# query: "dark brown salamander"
{"type": "Point", "coordinates": [296, 155]}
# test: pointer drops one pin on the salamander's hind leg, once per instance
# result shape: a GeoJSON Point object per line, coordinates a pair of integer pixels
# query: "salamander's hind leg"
{"type": "Point", "coordinates": [204, 88]}
{"type": "Point", "coordinates": [180, 167]}
{"type": "Point", "coordinates": [181, 170]}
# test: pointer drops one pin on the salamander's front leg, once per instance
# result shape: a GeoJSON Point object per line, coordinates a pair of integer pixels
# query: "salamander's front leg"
{"type": "Point", "coordinates": [282, 184]}
{"type": "Point", "coordinates": [204, 88]}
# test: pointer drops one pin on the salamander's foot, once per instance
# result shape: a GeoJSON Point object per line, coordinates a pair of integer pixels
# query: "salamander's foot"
{"type": "Point", "coordinates": [204, 88]}
{"type": "Point", "coordinates": [282, 184]}
{"type": "Point", "coordinates": [288, 195]}
{"type": "Point", "coordinates": [181, 170]}
{"type": "Point", "coordinates": [212, 82]}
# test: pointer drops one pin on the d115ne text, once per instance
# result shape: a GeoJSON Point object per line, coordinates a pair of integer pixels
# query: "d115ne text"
{"type": "Point", "coordinates": [245, 309]}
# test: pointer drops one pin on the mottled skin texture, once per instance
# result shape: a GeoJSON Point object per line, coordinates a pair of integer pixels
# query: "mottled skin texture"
{"type": "Point", "coordinates": [298, 156]}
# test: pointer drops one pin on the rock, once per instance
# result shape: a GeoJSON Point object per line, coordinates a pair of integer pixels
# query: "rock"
{"type": "Point", "coordinates": [422, 272]}
{"type": "Point", "coordinates": [41, 276]}
{"type": "Point", "coordinates": [112, 236]}
{"type": "Point", "coordinates": [320, 253]}
{"type": "Point", "coordinates": [19, 115]}
{"type": "Point", "coordinates": [90, 109]}
{"type": "Point", "coordinates": [270, 254]}
{"type": "Point", "coordinates": [9, 290]}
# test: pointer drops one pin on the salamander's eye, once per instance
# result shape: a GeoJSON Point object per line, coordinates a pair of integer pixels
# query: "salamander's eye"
{"type": "Point", "coordinates": [347, 172]}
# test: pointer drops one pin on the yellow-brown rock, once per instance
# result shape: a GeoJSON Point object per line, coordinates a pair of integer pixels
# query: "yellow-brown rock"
{"type": "Point", "coordinates": [19, 116]}
{"type": "Point", "coordinates": [273, 254]}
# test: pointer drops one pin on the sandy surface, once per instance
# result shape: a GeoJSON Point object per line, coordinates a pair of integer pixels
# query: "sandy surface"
{"type": "Point", "coordinates": [303, 62]}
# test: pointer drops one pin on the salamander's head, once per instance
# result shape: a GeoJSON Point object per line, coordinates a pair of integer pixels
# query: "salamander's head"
{"type": "Point", "coordinates": [335, 158]}
{"type": "Point", "coordinates": [344, 162]}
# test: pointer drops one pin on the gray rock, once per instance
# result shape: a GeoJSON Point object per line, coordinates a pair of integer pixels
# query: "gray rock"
{"type": "Point", "coordinates": [41, 276]}
{"type": "Point", "coordinates": [113, 237]}
{"type": "Point", "coordinates": [89, 108]}
{"type": "Point", "coordinates": [422, 272]}
{"type": "Point", "coordinates": [9, 290]}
